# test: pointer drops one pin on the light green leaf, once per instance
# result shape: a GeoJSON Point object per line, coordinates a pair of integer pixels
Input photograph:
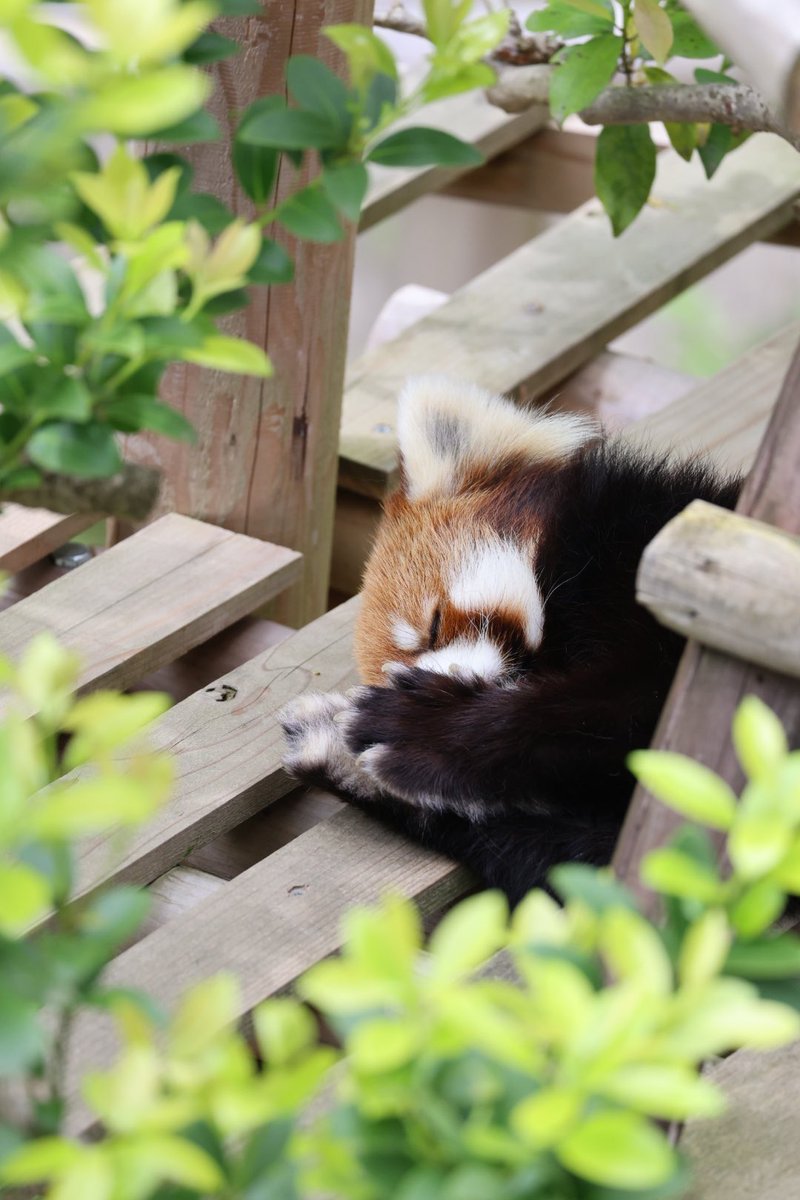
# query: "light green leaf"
{"type": "Point", "coordinates": [449, 83]}
{"type": "Point", "coordinates": [625, 167]}
{"type": "Point", "coordinates": [366, 54]}
{"type": "Point", "coordinates": [174, 1159]}
{"type": "Point", "coordinates": [634, 951]}
{"type": "Point", "coordinates": [704, 948]}
{"type": "Point", "coordinates": [205, 1012]}
{"type": "Point", "coordinates": [674, 873]}
{"type": "Point", "coordinates": [595, 8]}
{"type": "Point", "coordinates": [582, 73]}
{"type": "Point", "coordinates": [538, 920]}
{"type": "Point", "coordinates": [70, 399]}
{"type": "Point", "coordinates": [654, 28]}
{"type": "Point", "coordinates": [477, 38]}
{"type": "Point", "coordinates": [468, 935]}
{"type": "Point", "coordinates": [105, 721]}
{"type": "Point", "coordinates": [284, 1029]}
{"type": "Point", "coordinates": [560, 16]}
{"type": "Point", "coordinates": [759, 738]}
{"type": "Point", "coordinates": [383, 1045]}
{"type": "Point", "coordinates": [229, 354]}
{"type": "Point", "coordinates": [671, 1092]}
{"type": "Point", "coordinates": [689, 40]}
{"type": "Point", "coordinates": [91, 805]}
{"type": "Point", "coordinates": [757, 908]}
{"type": "Point", "coordinates": [135, 105]}
{"type": "Point", "coordinates": [42, 1159]}
{"type": "Point", "coordinates": [686, 786]}
{"type": "Point", "coordinates": [757, 844]}
{"type": "Point", "coordinates": [444, 17]}
{"type": "Point", "coordinates": [24, 897]}
{"type": "Point", "coordinates": [775, 957]}
{"type": "Point", "coordinates": [546, 1117]}
{"type": "Point", "coordinates": [618, 1149]}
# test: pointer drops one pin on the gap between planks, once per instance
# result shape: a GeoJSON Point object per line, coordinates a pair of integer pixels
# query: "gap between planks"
{"type": "Point", "coordinates": [28, 534]}
{"type": "Point", "coordinates": [150, 598]}
{"type": "Point", "coordinates": [539, 314]}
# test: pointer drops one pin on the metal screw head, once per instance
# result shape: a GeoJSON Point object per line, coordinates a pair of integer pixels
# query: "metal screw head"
{"type": "Point", "coordinates": [74, 554]}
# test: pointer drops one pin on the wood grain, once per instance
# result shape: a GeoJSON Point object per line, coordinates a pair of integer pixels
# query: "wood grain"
{"type": "Point", "coordinates": [175, 893]}
{"type": "Point", "coordinates": [265, 458]}
{"type": "Point", "coordinates": [469, 117]}
{"type": "Point", "coordinates": [729, 582]}
{"type": "Point", "coordinates": [28, 534]}
{"type": "Point", "coordinates": [227, 746]}
{"type": "Point", "coordinates": [708, 686]}
{"type": "Point", "coordinates": [550, 306]}
{"type": "Point", "coordinates": [270, 924]}
{"type": "Point", "coordinates": [149, 599]}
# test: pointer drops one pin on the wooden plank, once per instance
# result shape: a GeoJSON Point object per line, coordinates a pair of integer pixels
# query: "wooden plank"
{"type": "Point", "coordinates": [551, 305]}
{"type": "Point", "coordinates": [175, 893]}
{"type": "Point", "coordinates": [469, 117]}
{"type": "Point", "coordinates": [270, 924]}
{"type": "Point", "coordinates": [354, 532]}
{"type": "Point", "coordinates": [552, 171]}
{"type": "Point", "coordinates": [727, 581]}
{"type": "Point", "coordinates": [708, 686]}
{"type": "Point", "coordinates": [752, 1149]}
{"type": "Point", "coordinates": [28, 534]}
{"type": "Point", "coordinates": [228, 747]}
{"type": "Point", "coordinates": [150, 599]}
{"type": "Point", "coordinates": [265, 458]}
{"type": "Point", "coordinates": [725, 417]}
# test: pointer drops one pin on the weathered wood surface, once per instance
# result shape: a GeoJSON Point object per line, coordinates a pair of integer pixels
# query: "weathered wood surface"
{"type": "Point", "coordinates": [621, 388]}
{"type": "Point", "coordinates": [764, 41]}
{"type": "Point", "coordinates": [708, 686]}
{"type": "Point", "coordinates": [28, 534]}
{"type": "Point", "coordinates": [148, 600]}
{"type": "Point", "coordinates": [469, 117]}
{"type": "Point", "coordinates": [540, 313]}
{"type": "Point", "coordinates": [270, 924]}
{"type": "Point", "coordinates": [729, 582]}
{"type": "Point", "coordinates": [265, 459]}
{"type": "Point", "coordinates": [552, 171]}
{"type": "Point", "coordinates": [175, 893]}
{"type": "Point", "coordinates": [753, 1149]}
{"type": "Point", "coordinates": [228, 746]}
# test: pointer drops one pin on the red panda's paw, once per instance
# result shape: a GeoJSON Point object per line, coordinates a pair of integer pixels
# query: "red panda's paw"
{"type": "Point", "coordinates": [316, 748]}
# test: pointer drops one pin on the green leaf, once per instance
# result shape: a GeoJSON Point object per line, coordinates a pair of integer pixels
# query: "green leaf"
{"type": "Point", "coordinates": [421, 147]}
{"type": "Point", "coordinates": [13, 356]}
{"type": "Point", "coordinates": [291, 129]}
{"type": "Point", "coordinates": [757, 908]}
{"type": "Point", "coordinates": [704, 948]}
{"type": "Point", "coordinates": [256, 167]}
{"type": "Point", "coordinates": [284, 1029]}
{"type": "Point", "coordinates": [452, 83]}
{"type": "Point", "coordinates": [199, 127]}
{"type": "Point", "coordinates": [316, 89]}
{"type": "Point", "coordinates": [689, 40]}
{"type": "Point", "coordinates": [346, 187]}
{"type": "Point", "coordinates": [582, 72]}
{"type": "Point", "coordinates": [716, 145]}
{"type": "Point", "coordinates": [625, 167]}
{"type": "Point", "coordinates": [204, 1013]}
{"type": "Point", "coordinates": [70, 399]}
{"type": "Point", "coordinates": [543, 1118]}
{"type": "Point", "coordinates": [654, 28]}
{"type": "Point", "coordinates": [757, 843]}
{"type": "Point", "coordinates": [24, 896]}
{"type": "Point", "coordinates": [40, 1159]}
{"type": "Point", "coordinates": [443, 18]}
{"type": "Point", "coordinates": [383, 1044]}
{"type": "Point", "coordinates": [91, 806]}
{"type": "Point", "coordinates": [212, 214]}
{"type": "Point", "coordinates": [381, 97]}
{"type": "Point", "coordinates": [230, 354]}
{"type": "Point", "coordinates": [21, 1040]}
{"type": "Point", "coordinates": [116, 914]}
{"type": "Point", "coordinates": [634, 950]}
{"type": "Point", "coordinates": [684, 785]}
{"type": "Point", "coordinates": [131, 413]}
{"type": "Point", "coordinates": [309, 214]}
{"type": "Point", "coordinates": [672, 1092]}
{"type": "Point", "coordinates": [560, 16]}
{"type": "Point", "coordinates": [273, 265]}
{"type": "Point", "coordinates": [86, 451]}
{"type": "Point", "coordinates": [768, 958]}
{"type": "Point", "coordinates": [674, 873]}
{"type": "Point", "coordinates": [135, 105]}
{"type": "Point", "coordinates": [597, 889]}
{"type": "Point", "coordinates": [619, 1149]}
{"type": "Point", "coordinates": [477, 38]}
{"type": "Point", "coordinates": [758, 738]}
{"type": "Point", "coordinates": [366, 54]}
{"type": "Point", "coordinates": [468, 935]}
{"type": "Point", "coordinates": [210, 47]}
{"type": "Point", "coordinates": [683, 138]}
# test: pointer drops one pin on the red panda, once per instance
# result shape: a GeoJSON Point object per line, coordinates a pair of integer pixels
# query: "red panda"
{"type": "Point", "coordinates": [508, 669]}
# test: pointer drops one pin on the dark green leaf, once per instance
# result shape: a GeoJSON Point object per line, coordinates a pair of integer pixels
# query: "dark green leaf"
{"type": "Point", "coordinates": [54, 861]}
{"type": "Point", "coordinates": [131, 413]}
{"type": "Point", "coordinates": [703, 75]}
{"type": "Point", "coordinates": [240, 8]}
{"type": "Point", "coordinates": [19, 479]}
{"type": "Point", "coordinates": [169, 336]}
{"type": "Point", "coordinates": [316, 89]}
{"type": "Point", "coordinates": [683, 138]}
{"type": "Point", "coordinates": [12, 356]}
{"type": "Point", "coordinates": [309, 214]}
{"type": "Point", "coordinates": [291, 129]}
{"type": "Point", "coordinates": [263, 1149]}
{"type": "Point", "coordinates": [582, 73]}
{"type": "Point", "coordinates": [212, 214]}
{"type": "Point", "coordinates": [346, 187]}
{"type": "Point", "coordinates": [108, 997]}
{"type": "Point", "coordinates": [21, 1040]}
{"type": "Point", "coordinates": [423, 147]}
{"type": "Point", "coordinates": [273, 264]}
{"type": "Point", "coordinates": [116, 914]}
{"type": "Point", "coordinates": [200, 127]}
{"type": "Point", "coordinates": [257, 166]}
{"type": "Point", "coordinates": [381, 94]}
{"type": "Point", "coordinates": [57, 342]}
{"type": "Point", "coordinates": [577, 881]}
{"type": "Point", "coordinates": [717, 144]}
{"type": "Point", "coordinates": [86, 451]}
{"type": "Point", "coordinates": [766, 958]}
{"type": "Point", "coordinates": [625, 167]}
{"type": "Point", "coordinates": [124, 340]}
{"type": "Point", "coordinates": [560, 17]}
{"type": "Point", "coordinates": [210, 47]}
{"type": "Point", "coordinates": [689, 39]}
{"type": "Point", "coordinates": [157, 164]}
{"type": "Point", "coordinates": [70, 400]}
{"type": "Point", "coordinates": [226, 302]}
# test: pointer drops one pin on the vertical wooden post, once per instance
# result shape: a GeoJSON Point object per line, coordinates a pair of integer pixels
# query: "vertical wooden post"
{"type": "Point", "coordinates": [266, 458]}
{"type": "Point", "coordinates": [708, 686]}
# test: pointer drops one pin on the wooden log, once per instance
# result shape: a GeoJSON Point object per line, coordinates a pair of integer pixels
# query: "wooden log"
{"type": "Point", "coordinates": [552, 171]}
{"type": "Point", "coordinates": [28, 534]}
{"type": "Point", "coordinates": [142, 603]}
{"type": "Point", "coordinates": [265, 459]}
{"type": "Point", "coordinates": [269, 925]}
{"type": "Point", "coordinates": [764, 40]}
{"type": "Point", "coordinates": [708, 686]}
{"type": "Point", "coordinates": [729, 582]}
{"type": "Point", "coordinates": [469, 117]}
{"type": "Point", "coordinates": [538, 315]}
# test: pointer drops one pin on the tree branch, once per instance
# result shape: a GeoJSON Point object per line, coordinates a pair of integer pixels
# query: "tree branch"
{"type": "Point", "coordinates": [736, 105]}
{"type": "Point", "coordinates": [397, 20]}
{"type": "Point", "coordinates": [130, 494]}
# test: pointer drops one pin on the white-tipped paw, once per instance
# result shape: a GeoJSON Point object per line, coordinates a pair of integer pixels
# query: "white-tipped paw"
{"type": "Point", "coordinates": [315, 726]}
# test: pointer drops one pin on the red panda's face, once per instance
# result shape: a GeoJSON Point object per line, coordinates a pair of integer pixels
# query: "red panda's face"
{"type": "Point", "coordinates": [451, 583]}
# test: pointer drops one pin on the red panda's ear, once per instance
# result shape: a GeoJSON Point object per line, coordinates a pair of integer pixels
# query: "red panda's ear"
{"type": "Point", "coordinates": [446, 427]}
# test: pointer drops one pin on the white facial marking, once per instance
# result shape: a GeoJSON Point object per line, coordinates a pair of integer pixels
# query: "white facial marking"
{"type": "Point", "coordinates": [498, 574]}
{"type": "Point", "coordinates": [405, 636]}
{"type": "Point", "coordinates": [465, 657]}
